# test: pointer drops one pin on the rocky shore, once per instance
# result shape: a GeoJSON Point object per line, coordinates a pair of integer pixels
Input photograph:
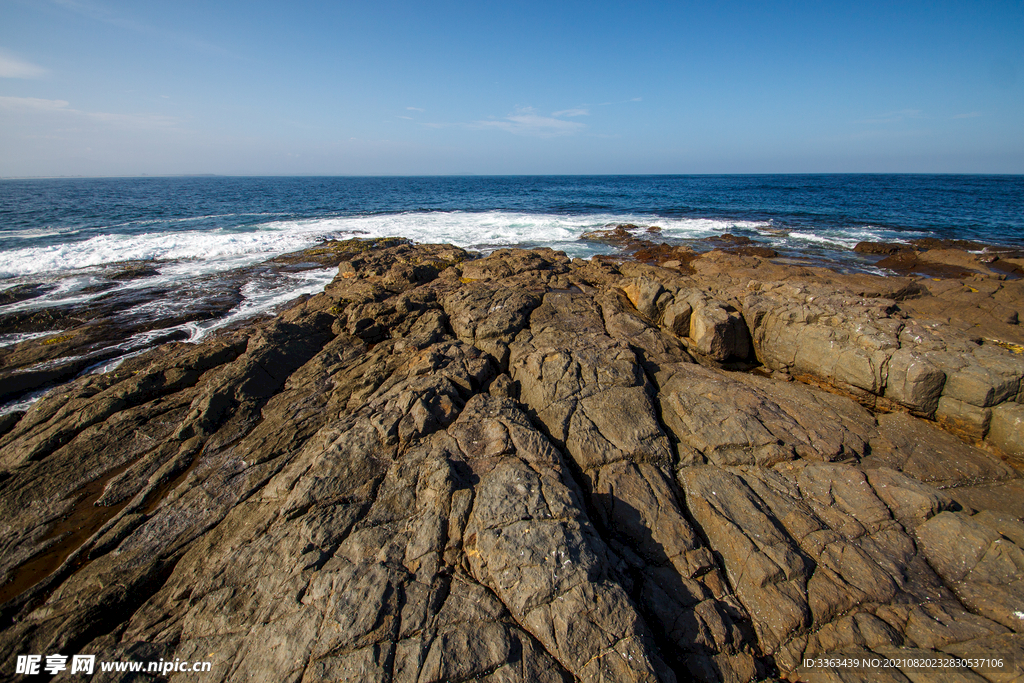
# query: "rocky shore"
{"type": "Point", "coordinates": [713, 466]}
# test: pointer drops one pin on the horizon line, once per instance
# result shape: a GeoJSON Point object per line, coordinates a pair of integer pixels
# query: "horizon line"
{"type": "Point", "coordinates": [496, 175]}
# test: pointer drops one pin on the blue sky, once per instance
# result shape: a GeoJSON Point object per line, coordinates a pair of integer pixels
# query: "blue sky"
{"type": "Point", "coordinates": [101, 87]}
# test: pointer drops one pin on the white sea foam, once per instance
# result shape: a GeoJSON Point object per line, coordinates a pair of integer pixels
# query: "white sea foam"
{"type": "Point", "coordinates": [18, 337]}
{"type": "Point", "coordinates": [110, 365]}
{"type": "Point", "coordinates": [214, 246]}
{"type": "Point", "coordinates": [180, 255]}
{"type": "Point", "coordinates": [215, 250]}
{"type": "Point", "coordinates": [846, 239]}
{"type": "Point", "coordinates": [66, 292]}
{"type": "Point", "coordinates": [487, 231]}
{"type": "Point", "coordinates": [824, 239]}
{"type": "Point", "coordinates": [25, 401]}
{"type": "Point", "coordinates": [262, 297]}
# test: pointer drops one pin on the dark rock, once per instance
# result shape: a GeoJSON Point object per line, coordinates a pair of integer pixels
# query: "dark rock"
{"type": "Point", "coordinates": [8, 420]}
{"type": "Point", "coordinates": [675, 257]}
{"type": "Point", "coordinates": [626, 237]}
{"type": "Point", "coordinates": [941, 243]}
{"type": "Point", "coordinates": [23, 292]}
{"type": "Point", "coordinates": [910, 262]}
{"type": "Point", "coordinates": [886, 248]}
{"type": "Point", "coordinates": [622, 235]}
{"type": "Point", "coordinates": [132, 271]}
{"type": "Point", "coordinates": [741, 245]}
{"type": "Point", "coordinates": [752, 250]}
{"type": "Point", "coordinates": [729, 238]}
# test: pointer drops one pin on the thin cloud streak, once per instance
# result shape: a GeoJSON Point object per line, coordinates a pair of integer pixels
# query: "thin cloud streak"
{"type": "Point", "coordinates": [33, 103]}
{"type": "Point", "coordinates": [98, 12]}
{"type": "Point", "coordinates": [12, 67]}
{"type": "Point", "coordinates": [64, 107]}
{"type": "Point", "coordinates": [970, 115]}
{"type": "Point", "coordinates": [894, 116]}
{"type": "Point", "coordinates": [525, 121]}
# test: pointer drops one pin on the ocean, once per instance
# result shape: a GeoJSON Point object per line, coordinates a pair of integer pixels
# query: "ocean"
{"type": "Point", "coordinates": [67, 244]}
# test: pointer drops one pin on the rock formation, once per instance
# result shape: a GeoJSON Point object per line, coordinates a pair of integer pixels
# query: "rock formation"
{"type": "Point", "coordinates": [526, 468]}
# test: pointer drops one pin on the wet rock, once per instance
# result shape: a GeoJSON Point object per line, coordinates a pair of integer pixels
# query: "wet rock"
{"type": "Point", "coordinates": [886, 248]}
{"type": "Point", "coordinates": [334, 252]}
{"type": "Point", "coordinates": [23, 292]}
{"type": "Point", "coordinates": [622, 235]}
{"type": "Point", "coordinates": [132, 270]}
{"type": "Point", "coordinates": [729, 238]}
{"type": "Point", "coordinates": [753, 250]}
{"type": "Point", "coordinates": [741, 245]}
{"type": "Point", "coordinates": [911, 263]}
{"type": "Point", "coordinates": [942, 243]}
{"type": "Point", "coordinates": [633, 241]}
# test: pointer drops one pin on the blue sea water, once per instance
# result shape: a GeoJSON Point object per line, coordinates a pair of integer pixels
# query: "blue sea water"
{"type": "Point", "coordinates": [60, 224]}
{"type": "Point", "coordinates": [69, 233]}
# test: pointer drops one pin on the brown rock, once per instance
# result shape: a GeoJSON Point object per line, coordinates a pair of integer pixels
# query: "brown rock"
{"type": "Point", "coordinates": [510, 468]}
{"type": "Point", "coordinates": [887, 248]}
{"type": "Point", "coordinates": [983, 567]}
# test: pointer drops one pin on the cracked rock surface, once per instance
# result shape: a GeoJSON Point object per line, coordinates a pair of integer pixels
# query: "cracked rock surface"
{"type": "Point", "coordinates": [526, 468]}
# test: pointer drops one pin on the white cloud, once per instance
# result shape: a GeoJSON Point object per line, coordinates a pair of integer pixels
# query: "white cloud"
{"type": "Point", "coordinates": [12, 67]}
{"type": "Point", "coordinates": [525, 121]}
{"type": "Point", "coordinates": [63, 107]}
{"type": "Point", "coordinates": [414, 109]}
{"type": "Point", "coordinates": [895, 116]}
{"type": "Point", "coordinates": [130, 120]}
{"type": "Point", "coordinates": [33, 103]}
{"type": "Point", "coordinates": [572, 112]}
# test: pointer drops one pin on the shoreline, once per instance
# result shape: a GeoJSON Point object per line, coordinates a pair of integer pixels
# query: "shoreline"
{"type": "Point", "coordinates": [95, 334]}
{"type": "Point", "coordinates": [447, 466]}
